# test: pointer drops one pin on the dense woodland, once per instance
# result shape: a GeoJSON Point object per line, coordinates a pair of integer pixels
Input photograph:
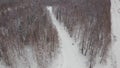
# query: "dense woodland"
{"type": "Point", "coordinates": [26, 23]}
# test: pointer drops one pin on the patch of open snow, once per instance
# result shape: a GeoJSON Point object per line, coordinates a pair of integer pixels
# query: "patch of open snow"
{"type": "Point", "coordinates": [31, 57]}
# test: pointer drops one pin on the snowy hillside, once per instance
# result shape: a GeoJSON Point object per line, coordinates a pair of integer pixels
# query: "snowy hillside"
{"type": "Point", "coordinates": [60, 34]}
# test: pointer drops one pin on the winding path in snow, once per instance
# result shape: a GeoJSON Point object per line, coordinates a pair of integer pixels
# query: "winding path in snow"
{"type": "Point", "coordinates": [69, 56]}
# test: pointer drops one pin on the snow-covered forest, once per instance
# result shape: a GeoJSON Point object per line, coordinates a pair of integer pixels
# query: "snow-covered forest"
{"type": "Point", "coordinates": [59, 33]}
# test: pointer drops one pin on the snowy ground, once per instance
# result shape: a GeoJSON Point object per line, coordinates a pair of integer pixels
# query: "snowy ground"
{"type": "Point", "coordinates": [115, 12]}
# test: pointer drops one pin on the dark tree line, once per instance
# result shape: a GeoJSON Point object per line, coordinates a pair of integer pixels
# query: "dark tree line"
{"type": "Point", "coordinates": [25, 23]}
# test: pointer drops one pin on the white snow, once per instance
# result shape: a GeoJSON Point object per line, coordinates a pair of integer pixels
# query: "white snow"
{"type": "Point", "coordinates": [70, 56]}
{"type": "Point", "coordinates": [31, 58]}
{"type": "Point", "coordinates": [116, 30]}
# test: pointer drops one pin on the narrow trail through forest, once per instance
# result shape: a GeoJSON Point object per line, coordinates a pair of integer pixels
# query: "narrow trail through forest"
{"type": "Point", "coordinates": [69, 56]}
